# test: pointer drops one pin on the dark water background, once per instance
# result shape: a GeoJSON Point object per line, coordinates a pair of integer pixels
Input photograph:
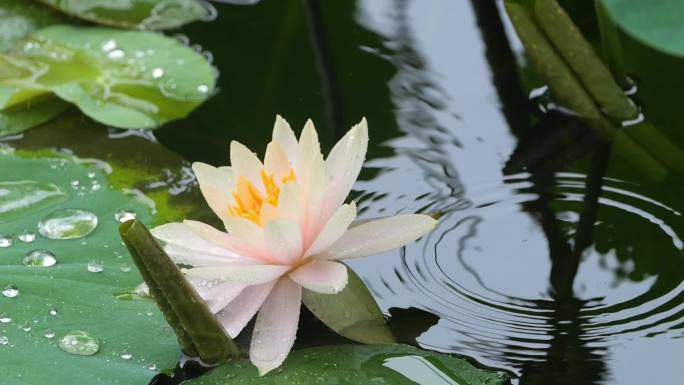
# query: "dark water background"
{"type": "Point", "coordinates": [553, 260]}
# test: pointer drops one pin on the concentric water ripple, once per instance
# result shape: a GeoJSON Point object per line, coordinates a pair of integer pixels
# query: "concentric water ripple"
{"type": "Point", "coordinates": [487, 273]}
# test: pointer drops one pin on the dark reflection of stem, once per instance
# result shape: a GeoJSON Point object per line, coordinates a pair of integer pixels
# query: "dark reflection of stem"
{"type": "Point", "coordinates": [568, 359]}
{"type": "Point", "coordinates": [325, 65]}
{"type": "Point", "coordinates": [514, 103]}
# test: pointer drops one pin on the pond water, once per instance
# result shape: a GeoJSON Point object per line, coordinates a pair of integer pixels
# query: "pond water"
{"type": "Point", "coordinates": [553, 259]}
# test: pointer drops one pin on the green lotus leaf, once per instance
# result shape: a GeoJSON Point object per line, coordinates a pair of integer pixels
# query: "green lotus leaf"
{"type": "Point", "coordinates": [53, 301]}
{"type": "Point", "coordinates": [125, 79]}
{"type": "Point", "coordinates": [137, 14]}
{"type": "Point", "coordinates": [360, 365]}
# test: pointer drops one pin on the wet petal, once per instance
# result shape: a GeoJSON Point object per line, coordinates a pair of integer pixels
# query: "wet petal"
{"type": "Point", "coordinates": [216, 185]}
{"type": "Point", "coordinates": [216, 293]}
{"type": "Point", "coordinates": [276, 163]}
{"type": "Point", "coordinates": [283, 135]}
{"type": "Point", "coordinates": [245, 163]}
{"type": "Point", "coordinates": [185, 246]}
{"type": "Point", "coordinates": [284, 241]}
{"type": "Point", "coordinates": [380, 235]}
{"type": "Point", "coordinates": [245, 274]}
{"type": "Point", "coordinates": [276, 326]}
{"type": "Point", "coordinates": [233, 242]}
{"type": "Point", "coordinates": [291, 202]}
{"type": "Point", "coordinates": [343, 165]}
{"type": "Point", "coordinates": [325, 277]}
{"type": "Point", "coordinates": [235, 316]}
{"type": "Point", "coordinates": [333, 230]}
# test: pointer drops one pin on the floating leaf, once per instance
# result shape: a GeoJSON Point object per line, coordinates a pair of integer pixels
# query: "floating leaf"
{"type": "Point", "coordinates": [125, 79]}
{"type": "Point", "coordinates": [357, 364]}
{"type": "Point", "coordinates": [351, 313]}
{"type": "Point", "coordinates": [29, 115]}
{"type": "Point", "coordinates": [18, 18]}
{"type": "Point", "coordinates": [56, 300]}
{"type": "Point", "coordinates": [657, 24]}
{"type": "Point", "coordinates": [137, 14]}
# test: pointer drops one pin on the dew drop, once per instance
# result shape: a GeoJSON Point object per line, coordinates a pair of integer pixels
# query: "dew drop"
{"type": "Point", "coordinates": [10, 291]}
{"type": "Point", "coordinates": [95, 266]}
{"type": "Point", "coordinates": [5, 318]}
{"type": "Point", "coordinates": [157, 73]}
{"type": "Point", "coordinates": [39, 258]}
{"type": "Point", "coordinates": [27, 236]}
{"type": "Point", "coordinates": [80, 343]}
{"type": "Point", "coordinates": [124, 215]}
{"type": "Point", "coordinates": [203, 88]}
{"type": "Point", "coordinates": [126, 355]}
{"type": "Point", "coordinates": [25, 327]}
{"type": "Point", "coordinates": [125, 268]}
{"type": "Point", "coordinates": [4, 340]}
{"type": "Point", "coordinates": [67, 224]}
{"type": "Point", "coordinates": [152, 366]}
{"type": "Point", "coordinates": [5, 240]}
{"type": "Point", "coordinates": [52, 311]}
{"type": "Point", "coordinates": [49, 334]}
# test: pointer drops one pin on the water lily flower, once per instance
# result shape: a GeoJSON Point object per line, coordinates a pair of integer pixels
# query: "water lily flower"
{"type": "Point", "coordinates": [287, 226]}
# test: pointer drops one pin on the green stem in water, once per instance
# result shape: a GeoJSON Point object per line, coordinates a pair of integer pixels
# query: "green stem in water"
{"type": "Point", "coordinates": [199, 332]}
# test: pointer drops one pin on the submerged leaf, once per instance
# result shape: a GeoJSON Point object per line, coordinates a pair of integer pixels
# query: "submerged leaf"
{"type": "Point", "coordinates": [355, 364]}
{"type": "Point", "coordinates": [28, 115]}
{"type": "Point", "coordinates": [137, 14]}
{"type": "Point", "coordinates": [124, 79]}
{"type": "Point", "coordinates": [18, 18]}
{"type": "Point", "coordinates": [351, 313]}
{"type": "Point", "coordinates": [198, 331]}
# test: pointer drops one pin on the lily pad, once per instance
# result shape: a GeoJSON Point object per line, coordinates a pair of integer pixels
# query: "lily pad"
{"type": "Point", "coordinates": [18, 18]}
{"type": "Point", "coordinates": [352, 313]}
{"type": "Point", "coordinates": [656, 23]}
{"type": "Point", "coordinates": [29, 115]}
{"type": "Point", "coordinates": [138, 14]}
{"type": "Point", "coordinates": [358, 364]}
{"type": "Point", "coordinates": [71, 296]}
{"type": "Point", "coordinates": [125, 79]}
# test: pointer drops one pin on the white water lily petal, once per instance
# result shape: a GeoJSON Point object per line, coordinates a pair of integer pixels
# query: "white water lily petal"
{"type": "Point", "coordinates": [246, 274]}
{"type": "Point", "coordinates": [248, 233]}
{"type": "Point", "coordinates": [325, 277]}
{"type": "Point", "coordinates": [267, 214]}
{"type": "Point", "coordinates": [378, 236]}
{"type": "Point", "coordinates": [276, 162]}
{"type": "Point", "coordinates": [245, 163]}
{"type": "Point", "coordinates": [334, 229]}
{"type": "Point", "coordinates": [250, 252]}
{"type": "Point", "coordinates": [314, 196]}
{"type": "Point", "coordinates": [284, 241]}
{"type": "Point", "coordinates": [216, 293]}
{"type": "Point", "coordinates": [291, 202]}
{"type": "Point", "coordinates": [276, 326]}
{"type": "Point", "coordinates": [185, 246]}
{"type": "Point", "coordinates": [343, 164]}
{"type": "Point", "coordinates": [283, 134]}
{"type": "Point", "coordinates": [308, 152]}
{"type": "Point", "coordinates": [216, 185]}
{"type": "Point", "coordinates": [237, 314]}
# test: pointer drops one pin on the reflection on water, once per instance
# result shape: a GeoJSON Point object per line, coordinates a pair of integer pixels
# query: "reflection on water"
{"type": "Point", "coordinates": [551, 260]}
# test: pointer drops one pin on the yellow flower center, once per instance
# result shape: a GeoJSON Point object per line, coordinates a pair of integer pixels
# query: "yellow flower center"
{"type": "Point", "coordinates": [249, 200]}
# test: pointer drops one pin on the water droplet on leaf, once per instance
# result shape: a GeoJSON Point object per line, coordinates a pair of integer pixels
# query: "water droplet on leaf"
{"type": "Point", "coordinates": [4, 340]}
{"type": "Point", "coordinates": [49, 334]}
{"type": "Point", "coordinates": [67, 224]}
{"type": "Point", "coordinates": [95, 266]}
{"type": "Point", "coordinates": [27, 236]}
{"type": "Point", "coordinates": [10, 291]}
{"type": "Point", "coordinates": [124, 215]}
{"type": "Point", "coordinates": [5, 240]}
{"type": "Point", "coordinates": [80, 343]}
{"type": "Point", "coordinates": [39, 258]}
{"type": "Point", "coordinates": [5, 318]}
